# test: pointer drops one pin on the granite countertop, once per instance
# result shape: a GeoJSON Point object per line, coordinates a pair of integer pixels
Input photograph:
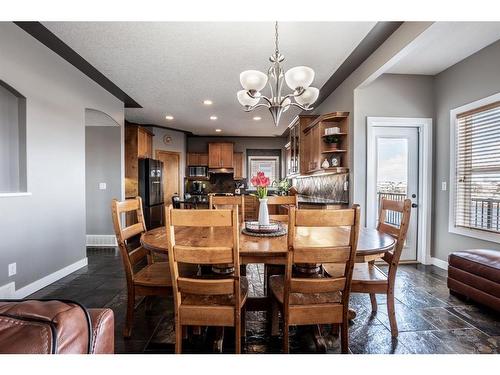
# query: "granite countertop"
{"type": "Point", "coordinates": [318, 200]}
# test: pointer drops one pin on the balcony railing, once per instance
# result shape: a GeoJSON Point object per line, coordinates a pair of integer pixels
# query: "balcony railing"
{"type": "Point", "coordinates": [485, 213]}
{"type": "Point", "coordinates": [392, 217]}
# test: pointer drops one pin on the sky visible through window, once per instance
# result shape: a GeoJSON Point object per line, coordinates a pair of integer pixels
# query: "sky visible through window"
{"type": "Point", "coordinates": [392, 165]}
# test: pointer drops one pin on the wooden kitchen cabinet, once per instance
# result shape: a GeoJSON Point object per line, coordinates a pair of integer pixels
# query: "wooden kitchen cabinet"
{"type": "Point", "coordinates": [238, 165]}
{"type": "Point", "coordinates": [144, 143]}
{"type": "Point", "coordinates": [138, 145]}
{"type": "Point", "coordinates": [251, 207]}
{"type": "Point", "coordinates": [195, 159]}
{"type": "Point", "coordinates": [220, 155]}
{"type": "Point", "coordinates": [313, 148]}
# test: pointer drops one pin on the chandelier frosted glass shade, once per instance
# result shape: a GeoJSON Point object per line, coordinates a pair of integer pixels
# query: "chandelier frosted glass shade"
{"type": "Point", "coordinates": [299, 77]}
{"type": "Point", "coordinates": [308, 97]}
{"type": "Point", "coordinates": [253, 80]}
{"type": "Point", "coordinates": [245, 99]}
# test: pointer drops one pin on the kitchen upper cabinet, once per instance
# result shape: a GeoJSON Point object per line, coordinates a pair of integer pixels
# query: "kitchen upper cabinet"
{"type": "Point", "coordinates": [138, 145]}
{"type": "Point", "coordinates": [144, 143]}
{"type": "Point", "coordinates": [220, 155]}
{"type": "Point", "coordinates": [324, 137]}
{"type": "Point", "coordinates": [195, 159]}
{"type": "Point", "coordinates": [238, 165]}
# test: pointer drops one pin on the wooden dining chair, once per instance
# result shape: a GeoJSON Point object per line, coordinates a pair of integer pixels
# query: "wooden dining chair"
{"type": "Point", "coordinates": [319, 299]}
{"type": "Point", "coordinates": [215, 202]}
{"type": "Point", "coordinates": [214, 301]}
{"type": "Point", "coordinates": [367, 277]}
{"type": "Point", "coordinates": [281, 200]}
{"type": "Point", "coordinates": [153, 278]}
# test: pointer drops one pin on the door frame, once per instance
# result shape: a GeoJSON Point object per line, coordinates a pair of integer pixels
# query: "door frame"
{"type": "Point", "coordinates": [424, 126]}
{"type": "Point", "coordinates": [157, 153]}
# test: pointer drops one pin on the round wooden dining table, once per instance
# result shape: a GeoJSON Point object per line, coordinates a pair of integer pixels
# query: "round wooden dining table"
{"type": "Point", "coordinates": [271, 250]}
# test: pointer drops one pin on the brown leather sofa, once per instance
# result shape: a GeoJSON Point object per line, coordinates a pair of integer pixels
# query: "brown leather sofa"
{"type": "Point", "coordinates": [476, 274]}
{"type": "Point", "coordinates": [54, 326]}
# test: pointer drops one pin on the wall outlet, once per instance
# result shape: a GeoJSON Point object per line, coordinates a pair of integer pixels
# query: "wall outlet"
{"type": "Point", "coordinates": [12, 269]}
{"type": "Point", "coordinates": [102, 186]}
{"type": "Point", "coordinates": [443, 186]}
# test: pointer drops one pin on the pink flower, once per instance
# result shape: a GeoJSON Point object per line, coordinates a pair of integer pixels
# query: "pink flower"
{"type": "Point", "coordinates": [260, 180]}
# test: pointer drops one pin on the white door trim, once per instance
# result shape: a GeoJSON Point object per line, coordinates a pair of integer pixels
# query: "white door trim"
{"type": "Point", "coordinates": [425, 174]}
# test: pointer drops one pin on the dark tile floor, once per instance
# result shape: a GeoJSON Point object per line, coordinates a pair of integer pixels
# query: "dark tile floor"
{"type": "Point", "coordinates": [430, 320]}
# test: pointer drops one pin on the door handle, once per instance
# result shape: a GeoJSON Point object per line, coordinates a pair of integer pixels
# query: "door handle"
{"type": "Point", "coordinates": [414, 205]}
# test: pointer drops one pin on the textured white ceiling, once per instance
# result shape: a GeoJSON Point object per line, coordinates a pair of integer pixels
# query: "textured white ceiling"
{"type": "Point", "coordinates": [444, 44]}
{"type": "Point", "coordinates": [171, 67]}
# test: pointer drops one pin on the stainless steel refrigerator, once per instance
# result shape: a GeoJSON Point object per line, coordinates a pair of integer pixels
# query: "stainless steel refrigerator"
{"type": "Point", "coordinates": [151, 191]}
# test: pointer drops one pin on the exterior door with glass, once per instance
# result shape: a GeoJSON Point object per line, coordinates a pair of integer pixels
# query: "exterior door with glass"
{"type": "Point", "coordinates": [393, 173]}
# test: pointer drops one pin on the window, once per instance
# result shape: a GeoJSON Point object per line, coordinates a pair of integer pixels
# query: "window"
{"type": "Point", "coordinates": [270, 165]}
{"type": "Point", "coordinates": [476, 180]}
{"type": "Point", "coordinates": [12, 141]}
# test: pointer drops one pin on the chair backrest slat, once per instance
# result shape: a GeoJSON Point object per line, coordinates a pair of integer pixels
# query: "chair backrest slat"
{"type": "Point", "coordinates": [323, 285]}
{"type": "Point", "coordinates": [337, 254]}
{"type": "Point", "coordinates": [324, 218]}
{"type": "Point", "coordinates": [205, 286]}
{"type": "Point", "coordinates": [389, 229]}
{"type": "Point", "coordinates": [201, 218]}
{"type": "Point", "coordinates": [132, 231]}
{"type": "Point", "coordinates": [203, 255]}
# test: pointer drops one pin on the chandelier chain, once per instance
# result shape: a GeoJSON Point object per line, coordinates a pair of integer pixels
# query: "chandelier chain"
{"type": "Point", "coordinates": [277, 51]}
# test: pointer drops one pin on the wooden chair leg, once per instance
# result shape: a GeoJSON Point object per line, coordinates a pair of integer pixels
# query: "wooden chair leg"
{"type": "Point", "coordinates": [373, 299]}
{"type": "Point", "coordinates": [237, 338]}
{"type": "Point", "coordinates": [275, 324]}
{"type": "Point", "coordinates": [244, 321]}
{"type": "Point", "coordinates": [286, 343]}
{"type": "Point", "coordinates": [178, 337]}
{"type": "Point", "coordinates": [344, 337]}
{"type": "Point", "coordinates": [129, 320]}
{"type": "Point", "coordinates": [391, 312]}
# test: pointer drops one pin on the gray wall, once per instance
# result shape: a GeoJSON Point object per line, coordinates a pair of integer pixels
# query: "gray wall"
{"type": "Point", "coordinates": [177, 144]}
{"type": "Point", "coordinates": [472, 79]}
{"type": "Point", "coordinates": [45, 231]}
{"type": "Point", "coordinates": [390, 95]}
{"type": "Point", "coordinates": [102, 164]}
{"type": "Point", "coordinates": [241, 144]}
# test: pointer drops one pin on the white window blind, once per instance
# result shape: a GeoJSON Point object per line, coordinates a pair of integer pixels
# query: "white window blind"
{"type": "Point", "coordinates": [477, 169]}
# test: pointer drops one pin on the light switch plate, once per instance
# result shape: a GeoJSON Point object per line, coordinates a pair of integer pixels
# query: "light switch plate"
{"type": "Point", "coordinates": [443, 186]}
{"type": "Point", "coordinates": [12, 269]}
{"type": "Point", "coordinates": [102, 186]}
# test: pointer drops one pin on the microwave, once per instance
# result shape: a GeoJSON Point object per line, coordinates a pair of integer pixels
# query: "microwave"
{"type": "Point", "coordinates": [197, 172]}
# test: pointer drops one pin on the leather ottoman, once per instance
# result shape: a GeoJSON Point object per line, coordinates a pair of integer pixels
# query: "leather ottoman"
{"type": "Point", "coordinates": [476, 274]}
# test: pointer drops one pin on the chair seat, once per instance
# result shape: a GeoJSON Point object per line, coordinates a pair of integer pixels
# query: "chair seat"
{"type": "Point", "coordinates": [276, 284]}
{"type": "Point", "coordinates": [158, 274]}
{"type": "Point", "coordinates": [363, 273]}
{"type": "Point", "coordinates": [217, 300]}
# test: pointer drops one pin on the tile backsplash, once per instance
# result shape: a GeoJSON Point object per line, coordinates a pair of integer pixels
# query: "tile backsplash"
{"type": "Point", "coordinates": [329, 186]}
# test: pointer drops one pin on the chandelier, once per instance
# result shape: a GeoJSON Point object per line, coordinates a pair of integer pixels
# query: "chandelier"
{"type": "Point", "coordinates": [298, 79]}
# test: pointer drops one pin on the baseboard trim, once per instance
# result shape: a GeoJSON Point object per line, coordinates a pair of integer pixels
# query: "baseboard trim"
{"type": "Point", "coordinates": [439, 263]}
{"type": "Point", "coordinates": [49, 279]}
{"type": "Point", "coordinates": [101, 240]}
{"type": "Point", "coordinates": [8, 290]}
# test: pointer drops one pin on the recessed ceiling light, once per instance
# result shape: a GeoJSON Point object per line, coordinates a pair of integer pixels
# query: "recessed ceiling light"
{"type": "Point", "coordinates": [213, 118]}
{"type": "Point", "coordinates": [169, 117]}
{"type": "Point", "coordinates": [207, 102]}
{"type": "Point", "coordinates": [218, 130]}
{"type": "Point", "coordinates": [257, 118]}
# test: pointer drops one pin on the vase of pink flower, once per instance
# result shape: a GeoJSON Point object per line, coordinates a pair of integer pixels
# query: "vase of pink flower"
{"type": "Point", "coordinates": [261, 182]}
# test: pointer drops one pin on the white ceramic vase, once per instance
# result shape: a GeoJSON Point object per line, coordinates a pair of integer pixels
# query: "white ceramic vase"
{"type": "Point", "coordinates": [263, 212]}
